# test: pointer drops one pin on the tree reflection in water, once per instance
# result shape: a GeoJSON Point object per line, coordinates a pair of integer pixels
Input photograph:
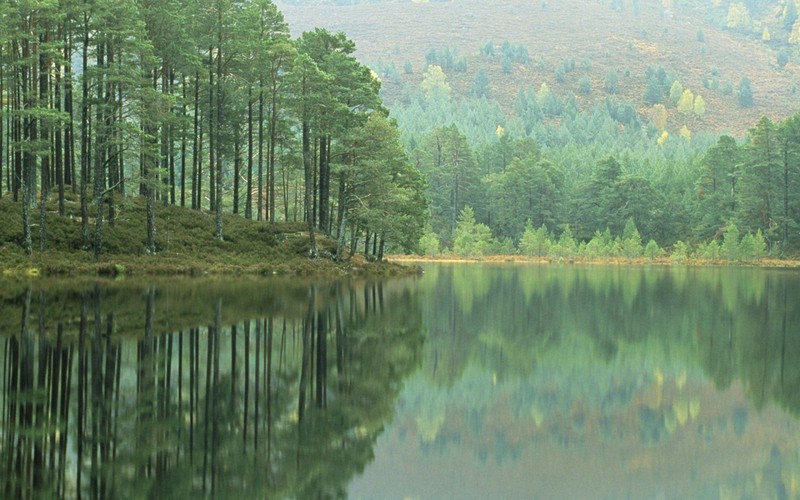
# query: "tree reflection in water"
{"type": "Point", "coordinates": [166, 391]}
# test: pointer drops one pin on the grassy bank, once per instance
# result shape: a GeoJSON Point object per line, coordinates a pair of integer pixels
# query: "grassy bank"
{"type": "Point", "coordinates": [185, 245]}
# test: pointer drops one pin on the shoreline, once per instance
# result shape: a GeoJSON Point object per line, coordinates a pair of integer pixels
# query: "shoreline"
{"type": "Point", "coordinates": [611, 261]}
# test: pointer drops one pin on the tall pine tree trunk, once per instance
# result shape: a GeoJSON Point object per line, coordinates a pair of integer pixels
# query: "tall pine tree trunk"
{"type": "Point", "coordinates": [85, 135]}
{"type": "Point", "coordinates": [308, 170]}
{"type": "Point", "coordinates": [260, 204]}
{"type": "Point", "coordinates": [101, 139]}
{"type": "Point", "coordinates": [248, 201]}
{"type": "Point", "coordinates": [197, 145]}
{"type": "Point", "coordinates": [183, 142]}
{"type": "Point", "coordinates": [44, 88]}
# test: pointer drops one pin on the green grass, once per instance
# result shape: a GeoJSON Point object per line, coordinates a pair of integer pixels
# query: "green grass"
{"type": "Point", "coordinates": [185, 245]}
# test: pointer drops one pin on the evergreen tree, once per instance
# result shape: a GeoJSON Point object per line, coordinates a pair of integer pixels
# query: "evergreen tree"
{"type": "Point", "coordinates": [470, 238]}
{"type": "Point", "coordinates": [717, 187]}
{"type": "Point", "coordinates": [745, 93]}
{"type": "Point", "coordinates": [480, 87]}
{"type": "Point", "coordinates": [789, 15]}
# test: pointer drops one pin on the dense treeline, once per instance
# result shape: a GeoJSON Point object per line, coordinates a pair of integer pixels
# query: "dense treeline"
{"type": "Point", "coordinates": [589, 173]}
{"type": "Point", "coordinates": [208, 104]}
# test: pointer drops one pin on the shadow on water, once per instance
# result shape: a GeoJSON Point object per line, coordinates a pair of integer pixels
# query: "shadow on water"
{"type": "Point", "coordinates": [262, 389]}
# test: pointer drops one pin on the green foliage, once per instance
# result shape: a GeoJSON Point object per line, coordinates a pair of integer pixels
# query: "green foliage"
{"type": "Point", "coordinates": [652, 92]}
{"type": "Point", "coordinates": [487, 50]}
{"type": "Point", "coordinates": [480, 86]}
{"type": "Point", "coordinates": [528, 190]}
{"type": "Point", "coordinates": [753, 247]}
{"type": "Point", "coordinates": [446, 58]}
{"type": "Point", "coordinates": [585, 85]}
{"type": "Point", "coordinates": [789, 15]}
{"type": "Point", "coordinates": [429, 244]}
{"type": "Point", "coordinates": [448, 163]}
{"type": "Point", "coordinates": [652, 250]}
{"type": "Point", "coordinates": [680, 252]}
{"type": "Point", "coordinates": [745, 93]}
{"type": "Point", "coordinates": [470, 238]}
{"type": "Point", "coordinates": [611, 82]}
{"type": "Point", "coordinates": [631, 241]}
{"type": "Point", "coordinates": [675, 92]}
{"type": "Point", "coordinates": [566, 248]}
{"type": "Point", "coordinates": [709, 251]}
{"type": "Point", "coordinates": [730, 244]}
{"type": "Point", "coordinates": [535, 242]}
{"type": "Point", "coordinates": [566, 67]}
{"type": "Point", "coordinates": [515, 53]}
{"type": "Point", "coordinates": [727, 88]}
{"type": "Point", "coordinates": [783, 57]}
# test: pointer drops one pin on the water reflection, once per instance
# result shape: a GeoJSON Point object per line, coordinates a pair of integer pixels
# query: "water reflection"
{"type": "Point", "coordinates": [600, 382]}
{"type": "Point", "coordinates": [175, 390]}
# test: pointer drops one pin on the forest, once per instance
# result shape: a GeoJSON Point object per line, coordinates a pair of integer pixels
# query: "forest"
{"type": "Point", "coordinates": [211, 106]}
{"type": "Point", "coordinates": [215, 106]}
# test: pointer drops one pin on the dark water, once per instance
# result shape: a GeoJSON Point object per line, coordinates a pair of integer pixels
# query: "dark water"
{"type": "Point", "coordinates": [470, 382]}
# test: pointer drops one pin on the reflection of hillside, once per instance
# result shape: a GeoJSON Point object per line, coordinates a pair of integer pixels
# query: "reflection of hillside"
{"type": "Point", "coordinates": [569, 358]}
{"type": "Point", "coordinates": [277, 394]}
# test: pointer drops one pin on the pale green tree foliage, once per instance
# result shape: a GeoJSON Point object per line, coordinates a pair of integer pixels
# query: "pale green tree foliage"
{"type": "Point", "coordinates": [534, 242]}
{"type": "Point", "coordinates": [470, 238]}
{"type": "Point", "coordinates": [699, 105]}
{"type": "Point", "coordinates": [566, 247]}
{"type": "Point", "coordinates": [730, 243]}
{"type": "Point", "coordinates": [631, 241]}
{"type": "Point", "coordinates": [429, 243]}
{"type": "Point", "coordinates": [753, 246]}
{"type": "Point", "coordinates": [675, 92]}
{"type": "Point", "coordinates": [652, 250]}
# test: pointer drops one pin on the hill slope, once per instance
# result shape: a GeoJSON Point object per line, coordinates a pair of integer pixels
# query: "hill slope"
{"type": "Point", "coordinates": [691, 43]}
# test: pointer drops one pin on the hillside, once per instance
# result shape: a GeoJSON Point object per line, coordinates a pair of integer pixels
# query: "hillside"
{"type": "Point", "coordinates": [690, 42]}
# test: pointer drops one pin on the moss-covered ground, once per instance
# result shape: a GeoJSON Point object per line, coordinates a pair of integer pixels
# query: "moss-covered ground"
{"type": "Point", "coordinates": [185, 245]}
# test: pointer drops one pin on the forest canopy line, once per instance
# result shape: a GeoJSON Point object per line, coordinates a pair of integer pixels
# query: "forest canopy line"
{"type": "Point", "coordinates": [205, 104]}
{"type": "Point", "coordinates": [213, 106]}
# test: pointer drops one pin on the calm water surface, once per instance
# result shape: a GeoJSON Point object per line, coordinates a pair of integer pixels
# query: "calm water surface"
{"type": "Point", "coordinates": [474, 381]}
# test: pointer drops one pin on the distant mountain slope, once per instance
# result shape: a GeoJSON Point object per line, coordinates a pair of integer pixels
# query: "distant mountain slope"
{"type": "Point", "coordinates": [596, 38]}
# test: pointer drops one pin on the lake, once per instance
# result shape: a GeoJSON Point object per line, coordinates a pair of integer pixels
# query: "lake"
{"type": "Point", "coordinates": [472, 381]}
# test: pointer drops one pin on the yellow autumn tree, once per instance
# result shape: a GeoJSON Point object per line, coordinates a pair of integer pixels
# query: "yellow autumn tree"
{"type": "Point", "coordinates": [686, 133]}
{"type": "Point", "coordinates": [738, 16]}
{"type": "Point", "coordinates": [765, 35]}
{"type": "Point", "coordinates": [542, 94]}
{"type": "Point", "coordinates": [794, 37]}
{"type": "Point", "coordinates": [699, 105]}
{"type": "Point", "coordinates": [434, 82]}
{"type": "Point", "coordinates": [659, 116]}
{"type": "Point", "coordinates": [686, 102]}
{"type": "Point", "coordinates": [663, 138]}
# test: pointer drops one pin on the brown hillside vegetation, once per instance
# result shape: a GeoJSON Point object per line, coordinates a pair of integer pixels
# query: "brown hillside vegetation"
{"type": "Point", "coordinates": [690, 43]}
